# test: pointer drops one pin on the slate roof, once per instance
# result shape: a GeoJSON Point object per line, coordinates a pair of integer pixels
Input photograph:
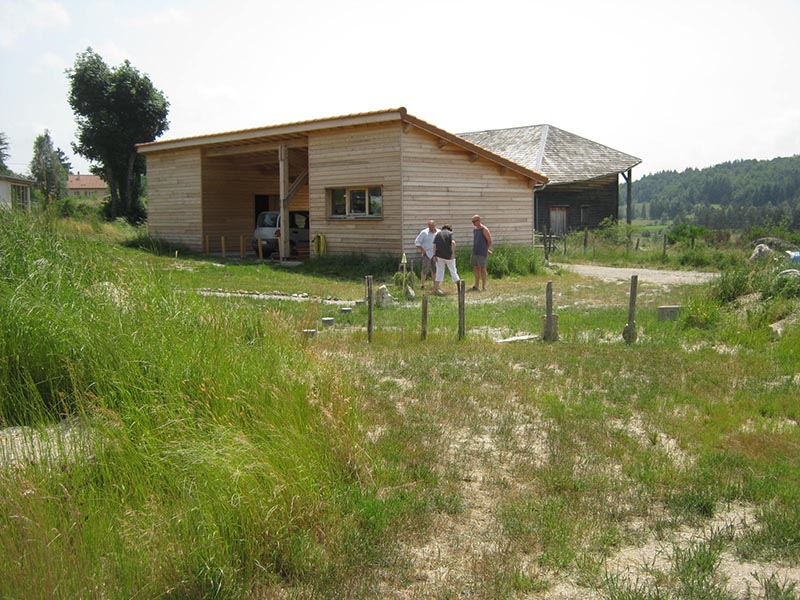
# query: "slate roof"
{"type": "Point", "coordinates": [563, 156]}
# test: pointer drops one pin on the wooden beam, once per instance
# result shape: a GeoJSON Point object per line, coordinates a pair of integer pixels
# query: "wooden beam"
{"type": "Point", "coordinates": [298, 183]}
{"type": "Point", "coordinates": [441, 143]}
{"type": "Point", "coordinates": [473, 157]}
{"type": "Point", "coordinates": [283, 164]}
{"type": "Point", "coordinates": [629, 199]}
{"type": "Point", "coordinates": [255, 148]}
{"type": "Point", "coordinates": [407, 127]}
{"type": "Point", "coordinates": [502, 170]}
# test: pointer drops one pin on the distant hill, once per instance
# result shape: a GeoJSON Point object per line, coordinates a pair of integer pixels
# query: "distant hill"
{"type": "Point", "coordinates": [736, 194]}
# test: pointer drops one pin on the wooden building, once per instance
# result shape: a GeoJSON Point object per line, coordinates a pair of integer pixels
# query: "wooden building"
{"type": "Point", "coordinates": [370, 182]}
{"type": "Point", "coordinates": [583, 187]}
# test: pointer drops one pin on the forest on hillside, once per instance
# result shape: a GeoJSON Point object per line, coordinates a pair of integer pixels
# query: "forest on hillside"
{"type": "Point", "coordinates": [732, 195]}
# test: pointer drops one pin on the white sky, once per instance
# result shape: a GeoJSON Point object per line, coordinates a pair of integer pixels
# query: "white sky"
{"type": "Point", "coordinates": [684, 83]}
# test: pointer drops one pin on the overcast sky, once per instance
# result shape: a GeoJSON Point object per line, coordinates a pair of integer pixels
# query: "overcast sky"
{"type": "Point", "coordinates": [678, 84]}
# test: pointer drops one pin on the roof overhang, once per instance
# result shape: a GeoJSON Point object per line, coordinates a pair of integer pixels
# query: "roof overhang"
{"type": "Point", "coordinates": [17, 180]}
{"type": "Point", "coordinates": [295, 135]}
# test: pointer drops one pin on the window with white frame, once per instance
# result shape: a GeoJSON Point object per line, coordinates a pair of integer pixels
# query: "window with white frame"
{"type": "Point", "coordinates": [355, 202]}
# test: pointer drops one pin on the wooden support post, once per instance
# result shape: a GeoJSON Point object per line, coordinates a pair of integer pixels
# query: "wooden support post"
{"type": "Point", "coordinates": [283, 186]}
{"type": "Point", "coordinates": [260, 249]}
{"type": "Point", "coordinates": [546, 244]}
{"type": "Point", "coordinates": [207, 249]}
{"type": "Point", "coordinates": [462, 289]}
{"type": "Point", "coordinates": [549, 320]}
{"type": "Point", "coordinates": [241, 246]}
{"type": "Point", "coordinates": [585, 239]}
{"type": "Point", "coordinates": [222, 243]}
{"type": "Point", "coordinates": [629, 196]}
{"type": "Point", "coordinates": [424, 331]}
{"type": "Point", "coordinates": [565, 244]}
{"type": "Point", "coordinates": [664, 252]}
{"type": "Point", "coordinates": [368, 282]}
{"type": "Point", "coordinates": [629, 332]}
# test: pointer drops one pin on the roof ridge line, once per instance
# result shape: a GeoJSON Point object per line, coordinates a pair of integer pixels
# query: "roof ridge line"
{"type": "Point", "coordinates": [542, 144]}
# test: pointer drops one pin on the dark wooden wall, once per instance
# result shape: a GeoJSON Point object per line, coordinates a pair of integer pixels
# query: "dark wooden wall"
{"type": "Point", "coordinates": [600, 196]}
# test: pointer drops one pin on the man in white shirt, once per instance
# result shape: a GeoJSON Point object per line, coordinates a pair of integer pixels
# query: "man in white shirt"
{"type": "Point", "coordinates": [424, 244]}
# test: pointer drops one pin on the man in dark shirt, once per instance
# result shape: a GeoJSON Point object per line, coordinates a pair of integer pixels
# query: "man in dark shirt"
{"type": "Point", "coordinates": [444, 253]}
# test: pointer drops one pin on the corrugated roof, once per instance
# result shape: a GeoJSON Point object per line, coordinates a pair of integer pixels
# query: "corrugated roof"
{"type": "Point", "coordinates": [563, 156]}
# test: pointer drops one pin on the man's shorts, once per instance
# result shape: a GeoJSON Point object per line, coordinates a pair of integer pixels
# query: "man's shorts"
{"type": "Point", "coordinates": [478, 260]}
{"type": "Point", "coordinates": [427, 264]}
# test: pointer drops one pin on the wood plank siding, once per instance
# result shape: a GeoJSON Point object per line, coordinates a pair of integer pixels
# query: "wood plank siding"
{"type": "Point", "coordinates": [366, 156]}
{"type": "Point", "coordinates": [586, 202]}
{"type": "Point", "coordinates": [205, 187]}
{"type": "Point", "coordinates": [229, 189]}
{"type": "Point", "coordinates": [174, 185]}
{"type": "Point", "coordinates": [445, 183]}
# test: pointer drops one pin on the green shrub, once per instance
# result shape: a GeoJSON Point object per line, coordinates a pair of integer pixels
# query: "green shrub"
{"type": "Point", "coordinates": [700, 313]}
{"type": "Point", "coordinates": [785, 286]}
{"type": "Point", "coordinates": [498, 266]}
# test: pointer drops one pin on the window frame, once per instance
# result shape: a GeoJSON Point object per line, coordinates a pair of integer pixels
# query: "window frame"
{"type": "Point", "coordinates": [366, 214]}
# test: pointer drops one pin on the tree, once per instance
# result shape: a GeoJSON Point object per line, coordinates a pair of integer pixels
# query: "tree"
{"type": "Point", "coordinates": [4, 170]}
{"type": "Point", "coordinates": [47, 169]}
{"type": "Point", "coordinates": [116, 108]}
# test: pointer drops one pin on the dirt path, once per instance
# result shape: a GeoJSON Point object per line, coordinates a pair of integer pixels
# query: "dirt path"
{"type": "Point", "coordinates": [645, 275]}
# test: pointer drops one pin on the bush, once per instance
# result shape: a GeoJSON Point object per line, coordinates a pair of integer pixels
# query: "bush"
{"type": "Point", "coordinates": [498, 266]}
{"type": "Point", "coordinates": [700, 314]}
{"type": "Point", "coordinates": [786, 286]}
{"type": "Point", "coordinates": [731, 285]}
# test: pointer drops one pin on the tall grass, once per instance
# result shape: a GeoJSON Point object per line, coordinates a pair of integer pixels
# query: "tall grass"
{"type": "Point", "coordinates": [619, 244]}
{"type": "Point", "coordinates": [215, 455]}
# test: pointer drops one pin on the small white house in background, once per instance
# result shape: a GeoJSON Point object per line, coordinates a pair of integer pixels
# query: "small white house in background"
{"type": "Point", "coordinates": [86, 186]}
{"type": "Point", "coordinates": [15, 192]}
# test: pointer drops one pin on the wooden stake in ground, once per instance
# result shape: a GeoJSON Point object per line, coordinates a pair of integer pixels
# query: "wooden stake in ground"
{"type": "Point", "coordinates": [368, 282]}
{"type": "Point", "coordinates": [549, 320]}
{"type": "Point", "coordinates": [462, 288]}
{"type": "Point", "coordinates": [629, 332]}
{"type": "Point", "coordinates": [424, 332]}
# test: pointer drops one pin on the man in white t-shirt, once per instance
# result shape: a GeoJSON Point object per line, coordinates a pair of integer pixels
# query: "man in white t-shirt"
{"type": "Point", "coordinates": [424, 244]}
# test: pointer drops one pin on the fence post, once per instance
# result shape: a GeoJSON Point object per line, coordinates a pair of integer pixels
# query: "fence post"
{"type": "Point", "coordinates": [207, 249]}
{"type": "Point", "coordinates": [241, 246]}
{"type": "Point", "coordinates": [546, 243]}
{"type": "Point", "coordinates": [424, 332]}
{"type": "Point", "coordinates": [549, 320]}
{"type": "Point", "coordinates": [462, 288]}
{"type": "Point", "coordinates": [585, 239]}
{"type": "Point", "coordinates": [368, 282]}
{"type": "Point", "coordinates": [222, 242]}
{"type": "Point", "coordinates": [629, 332]}
{"type": "Point", "coordinates": [664, 252]}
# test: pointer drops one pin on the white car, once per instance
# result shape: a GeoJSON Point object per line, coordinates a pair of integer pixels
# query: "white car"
{"type": "Point", "coordinates": [268, 230]}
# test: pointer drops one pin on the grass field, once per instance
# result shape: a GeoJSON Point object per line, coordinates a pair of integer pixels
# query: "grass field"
{"type": "Point", "coordinates": [163, 443]}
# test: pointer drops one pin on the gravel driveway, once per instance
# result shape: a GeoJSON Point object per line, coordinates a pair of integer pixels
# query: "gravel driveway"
{"type": "Point", "coordinates": [645, 275]}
